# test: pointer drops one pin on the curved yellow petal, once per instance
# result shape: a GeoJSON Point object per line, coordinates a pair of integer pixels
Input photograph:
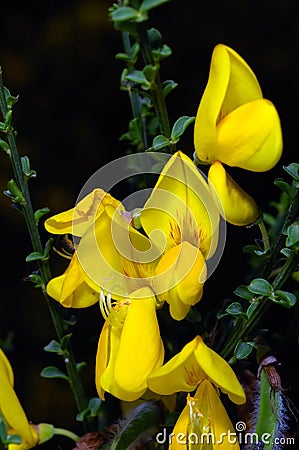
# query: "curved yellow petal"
{"type": "Point", "coordinates": [181, 207]}
{"type": "Point", "coordinates": [219, 372]}
{"type": "Point", "coordinates": [181, 373]}
{"type": "Point", "coordinates": [100, 261]}
{"type": "Point", "coordinates": [231, 84]}
{"type": "Point", "coordinates": [250, 137]}
{"type": "Point", "coordinates": [208, 423]}
{"type": "Point", "coordinates": [108, 348]}
{"type": "Point", "coordinates": [70, 289]}
{"type": "Point", "coordinates": [11, 409]}
{"type": "Point", "coordinates": [141, 349]}
{"type": "Point", "coordinates": [239, 207]}
{"type": "Point", "coordinates": [180, 276]}
{"type": "Point", "coordinates": [77, 220]}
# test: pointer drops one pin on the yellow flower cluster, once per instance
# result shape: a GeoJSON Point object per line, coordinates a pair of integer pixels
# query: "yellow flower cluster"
{"type": "Point", "coordinates": [135, 271]}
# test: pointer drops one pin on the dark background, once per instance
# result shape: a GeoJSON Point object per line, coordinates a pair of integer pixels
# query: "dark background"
{"type": "Point", "coordinates": [59, 57]}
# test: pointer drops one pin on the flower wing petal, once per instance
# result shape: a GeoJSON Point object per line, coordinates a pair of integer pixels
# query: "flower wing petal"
{"type": "Point", "coordinates": [239, 208]}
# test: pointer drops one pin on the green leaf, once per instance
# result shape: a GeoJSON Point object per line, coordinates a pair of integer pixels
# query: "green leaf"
{"type": "Point", "coordinates": [251, 308]}
{"type": "Point", "coordinates": [243, 349]}
{"type": "Point", "coordinates": [13, 439]}
{"type": "Point", "coordinates": [94, 406]}
{"type": "Point", "coordinates": [80, 365]}
{"type": "Point", "coordinates": [28, 173]}
{"type": "Point", "coordinates": [285, 187]}
{"type": "Point", "coordinates": [3, 430]}
{"type": "Point", "coordinates": [180, 126]}
{"type": "Point", "coordinates": [283, 298]}
{"type": "Point", "coordinates": [53, 347]}
{"type": "Point", "coordinates": [292, 235]}
{"type": "Point", "coordinates": [234, 309]}
{"type": "Point", "coordinates": [34, 256]}
{"type": "Point", "coordinates": [260, 286]}
{"type": "Point", "coordinates": [53, 372]}
{"type": "Point", "coordinates": [4, 145]}
{"type": "Point", "coordinates": [138, 77]}
{"type": "Point", "coordinates": [65, 341]}
{"type": "Point", "coordinates": [293, 170]}
{"type": "Point", "coordinates": [146, 5]}
{"type": "Point", "coordinates": [160, 141]}
{"type": "Point", "coordinates": [243, 292]}
{"type": "Point", "coordinates": [168, 86]}
{"type": "Point", "coordinates": [39, 213]}
{"type": "Point", "coordinates": [123, 13]}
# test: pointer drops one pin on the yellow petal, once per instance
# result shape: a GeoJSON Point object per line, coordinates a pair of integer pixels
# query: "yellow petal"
{"type": "Point", "coordinates": [219, 371]}
{"type": "Point", "coordinates": [76, 220]}
{"type": "Point", "coordinates": [204, 423]}
{"type": "Point", "coordinates": [70, 289]}
{"type": "Point", "coordinates": [181, 373]}
{"type": "Point", "coordinates": [11, 409]}
{"type": "Point", "coordinates": [181, 208]}
{"type": "Point", "coordinates": [141, 348]}
{"type": "Point", "coordinates": [180, 276]}
{"type": "Point", "coordinates": [100, 261]}
{"type": "Point", "coordinates": [195, 362]}
{"type": "Point", "coordinates": [250, 137]}
{"type": "Point", "coordinates": [107, 352]}
{"type": "Point", "coordinates": [239, 207]}
{"type": "Point", "coordinates": [231, 84]}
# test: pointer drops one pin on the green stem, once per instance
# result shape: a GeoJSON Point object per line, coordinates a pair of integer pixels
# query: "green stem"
{"type": "Point", "coordinates": [264, 234]}
{"type": "Point", "coordinates": [156, 91]}
{"type": "Point", "coordinates": [2, 446]}
{"type": "Point", "coordinates": [67, 433]}
{"type": "Point", "coordinates": [44, 269]}
{"type": "Point", "coordinates": [243, 326]}
{"type": "Point", "coordinates": [135, 99]}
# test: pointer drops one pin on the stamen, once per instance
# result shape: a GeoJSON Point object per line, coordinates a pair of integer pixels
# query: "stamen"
{"type": "Point", "coordinates": [113, 311]}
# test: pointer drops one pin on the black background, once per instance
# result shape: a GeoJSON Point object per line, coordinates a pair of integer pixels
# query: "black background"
{"type": "Point", "coordinates": [59, 57]}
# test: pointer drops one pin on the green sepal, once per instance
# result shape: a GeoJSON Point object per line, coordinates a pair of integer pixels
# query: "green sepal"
{"type": "Point", "coordinates": [243, 349]}
{"type": "Point", "coordinates": [142, 418]}
{"type": "Point", "coordinates": [268, 414]}
{"type": "Point", "coordinates": [53, 372]}
{"type": "Point", "coordinates": [260, 286]}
